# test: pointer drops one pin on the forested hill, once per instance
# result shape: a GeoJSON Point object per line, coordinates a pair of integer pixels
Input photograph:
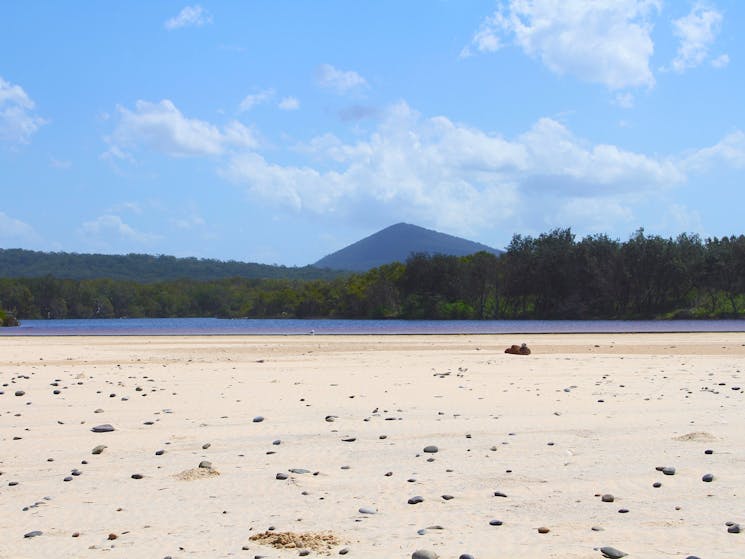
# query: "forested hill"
{"type": "Point", "coordinates": [144, 268]}
{"type": "Point", "coordinates": [395, 244]}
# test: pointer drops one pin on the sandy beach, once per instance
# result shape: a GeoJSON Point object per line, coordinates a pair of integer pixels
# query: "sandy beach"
{"type": "Point", "coordinates": [317, 444]}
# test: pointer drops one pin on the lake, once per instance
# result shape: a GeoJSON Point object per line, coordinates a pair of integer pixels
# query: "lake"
{"type": "Point", "coordinates": [217, 326]}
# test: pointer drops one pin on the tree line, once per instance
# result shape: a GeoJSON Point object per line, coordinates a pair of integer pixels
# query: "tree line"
{"type": "Point", "coordinates": [552, 276]}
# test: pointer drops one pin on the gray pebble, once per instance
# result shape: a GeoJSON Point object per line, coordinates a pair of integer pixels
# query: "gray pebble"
{"type": "Point", "coordinates": [424, 554]}
{"type": "Point", "coordinates": [431, 449]}
{"type": "Point", "coordinates": [281, 476]}
{"type": "Point", "coordinates": [21, 393]}
{"type": "Point", "coordinates": [495, 522]}
{"type": "Point", "coordinates": [708, 478]}
{"type": "Point", "coordinates": [607, 498]}
{"type": "Point", "coordinates": [32, 534]}
{"type": "Point", "coordinates": [668, 470]}
{"type": "Point", "coordinates": [258, 419]}
{"type": "Point", "coordinates": [734, 529]}
{"type": "Point", "coordinates": [367, 510]}
{"type": "Point", "coordinates": [205, 464]}
{"type": "Point", "coordinates": [105, 428]}
{"type": "Point", "coordinates": [343, 551]}
{"type": "Point", "coordinates": [415, 500]}
{"type": "Point", "coordinates": [612, 553]}
{"type": "Point", "coordinates": [98, 449]}
{"type": "Point", "coordinates": [466, 556]}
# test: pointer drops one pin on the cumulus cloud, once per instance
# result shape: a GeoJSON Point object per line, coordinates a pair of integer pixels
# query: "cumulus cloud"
{"type": "Point", "coordinates": [606, 42]}
{"type": "Point", "coordinates": [720, 61]}
{"type": "Point", "coordinates": [253, 99]}
{"type": "Point", "coordinates": [163, 128]}
{"type": "Point", "coordinates": [697, 32]}
{"type": "Point", "coordinates": [289, 104]}
{"type": "Point", "coordinates": [190, 16]}
{"type": "Point", "coordinates": [14, 231]}
{"type": "Point", "coordinates": [340, 81]}
{"type": "Point", "coordinates": [17, 119]}
{"type": "Point", "coordinates": [110, 227]}
{"type": "Point", "coordinates": [413, 167]}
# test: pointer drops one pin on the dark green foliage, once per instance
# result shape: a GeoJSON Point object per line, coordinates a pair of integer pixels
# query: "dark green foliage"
{"type": "Point", "coordinates": [19, 263]}
{"type": "Point", "coordinates": [552, 276]}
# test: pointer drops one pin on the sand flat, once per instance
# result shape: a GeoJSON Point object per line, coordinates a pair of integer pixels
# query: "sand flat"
{"type": "Point", "coordinates": [582, 416]}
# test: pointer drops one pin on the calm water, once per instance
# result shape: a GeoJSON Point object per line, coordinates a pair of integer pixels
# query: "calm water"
{"type": "Point", "coordinates": [206, 326]}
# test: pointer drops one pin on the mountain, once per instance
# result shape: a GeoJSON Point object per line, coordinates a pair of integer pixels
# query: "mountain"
{"type": "Point", "coordinates": [395, 244]}
{"type": "Point", "coordinates": [144, 268]}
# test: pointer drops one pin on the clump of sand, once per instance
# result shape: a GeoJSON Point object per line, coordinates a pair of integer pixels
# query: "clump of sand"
{"type": "Point", "coordinates": [196, 473]}
{"type": "Point", "coordinates": [315, 541]}
{"type": "Point", "coordinates": [696, 436]}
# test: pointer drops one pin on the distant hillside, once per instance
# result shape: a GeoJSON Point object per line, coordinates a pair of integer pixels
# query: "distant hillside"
{"type": "Point", "coordinates": [19, 263]}
{"type": "Point", "coordinates": [395, 244]}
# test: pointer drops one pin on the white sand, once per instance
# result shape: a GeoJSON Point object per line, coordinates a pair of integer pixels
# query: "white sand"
{"type": "Point", "coordinates": [663, 405]}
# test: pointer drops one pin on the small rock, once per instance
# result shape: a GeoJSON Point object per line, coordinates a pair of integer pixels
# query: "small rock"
{"type": "Point", "coordinates": [112, 536]}
{"type": "Point", "coordinates": [734, 529]}
{"type": "Point", "coordinates": [98, 449]}
{"type": "Point", "coordinates": [447, 497]}
{"type": "Point", "coordinates": [499, 494]}
{"type": "Point", "coordinates": [136, 476]}
{"type": "Point", "coordinates": [367, 510]}
{"type": "Point", "coordinates": [708, 478]}
{"type": "Point", "coordinates": [424, 554]}
{"type": "Point", "coordinates": [205, 464]}
{"type": "Point", "coordinates": [21, 393]}
{"type": "Point", "coordinates": [343, 551]}
{"type": "Point", "coordinates": [656, 484]}
{"type": "Point", "coordinates": [612, 553]}
{"type": "Point", "coordinates": [607, 498]}
{"type": "Point", "coordinates": [668, 470]}
{"type": "Point", "coordinates": [105, 428]}
{"type": "Point", "coordinates": [258, 419]}
{"type": "Point", "coordinates": [415, 500]}
{"type": "Point", "coordinates": [33, 534]}
{"type": "Point", "coordinates": [281, 476]}
{"type": "Point", "coordinates": [465, 556]}
{"type": "Point", "coordinates": [495, 522]}
{"type": "Point", "coordinates": [431, 449]}
{"type": "Point", "coordinates": [543, 530]}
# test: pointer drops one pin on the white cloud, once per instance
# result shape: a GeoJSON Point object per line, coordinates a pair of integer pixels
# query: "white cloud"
{"type": "Point", "coordinates": [720, 61]}
{"type": "Point", "coordinates": [340, 81]}
{"type": "Point", "coordinates": [190, 16]}
{"type": "Point", "coordinates": [625, 100]}
{"type": "Point", "coordinates": [729, 152]}
{"type": "Point", "coordinates": [17, 119]}
{"type": "Point", "coordinates": [250, 101]}
{"type": "Point", "coordinates": [605, 42]}
{"type": "Point", "coordinates": [449, 175]}
{"type": "Point", "coordinates": [696, 31]}
{"type": "Point", "coordinates": [110, 227]}
{"type": "Point", "coordinates": [163, 128]}
{"type": "Point", "coordinates": [14, 231]}
{"type": "Point", "coordinates": [289, 104]}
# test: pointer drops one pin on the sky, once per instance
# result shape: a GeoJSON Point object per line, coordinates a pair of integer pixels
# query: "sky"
{"type": "Point", "coordinates": [280, 131]}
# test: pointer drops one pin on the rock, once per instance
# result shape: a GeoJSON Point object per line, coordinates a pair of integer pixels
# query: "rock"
{"type": "Point", "coordinates": [205, 446]}
{"type": "Point", "coordinates": [21, 393]}
{"type": "Point", "coordinates": [98, 449]}
{"type": "Point", "coordinates": [465, 556]}
{"type": "Point", "coordinates": [281, 476]}
{"type": "Point", "coordinates": [668, 470]}
{"type": "Point", "coordinates": [367, 510]}
{"type": "Point", "coordinates": [518, 350]}
{"type": "Point", "coordinates": [343, 551]}
{"type": "Point", "coordinates": [205, 464]}
{"type": "Point", "coordinates": [500, 494]}
{"type": "Point", "coordinates": [734, 529]}
{"type": "Point", "coordinates": [431, 449]}
{"type": "Point", "coordinates": [543, 530]}
{"type": "Point", "coordinates": [33, 534]}
{"type": "Point", "coordinates": [105, 428]}
{"type": "Point", "coordinates": [656, 484]}
{"type": "Point", "coordinates": [708, 478]}
{"type": "Point", "coordinates": [415, 500]}
{"type": "Point", "coordinates": [495, 523]}
{"type": "Point", "coordinates": [160, 452]}
{"type": "Point", "coordinates": [258, 419]}
{"type": "Point", "coordinates": [612, 553]}
{"type": "Point", "coordinates": [447, 497]}
{"type": "Point", "coordinates": [424, 554]}
{"type": "Point", "coordinates": [708, 451]}
{"type": "Point", "coordinates": [607, 498]}
{"type": "Point", "coordinates": [299, 471]}
{"type": "Point", "coordinates": [136, 476]}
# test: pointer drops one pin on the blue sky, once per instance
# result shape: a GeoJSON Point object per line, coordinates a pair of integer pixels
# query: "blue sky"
{"type": "Point", "coordinates": [279, 131]}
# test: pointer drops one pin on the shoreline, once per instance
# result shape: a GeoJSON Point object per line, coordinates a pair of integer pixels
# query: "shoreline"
{"type": "Point", "coordinates": [583, 416]}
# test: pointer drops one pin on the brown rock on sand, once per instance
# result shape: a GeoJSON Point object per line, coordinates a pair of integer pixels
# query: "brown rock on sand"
{"type": "Point", "coordinates": [518, 350]}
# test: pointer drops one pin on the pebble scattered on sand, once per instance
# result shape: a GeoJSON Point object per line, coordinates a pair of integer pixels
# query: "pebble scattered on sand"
{"type": "Point", "coordinates": [105, 428]}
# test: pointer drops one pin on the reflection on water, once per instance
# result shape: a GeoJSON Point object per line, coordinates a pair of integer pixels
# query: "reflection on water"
{"type": "Point", "coordinates": [214, 326]}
